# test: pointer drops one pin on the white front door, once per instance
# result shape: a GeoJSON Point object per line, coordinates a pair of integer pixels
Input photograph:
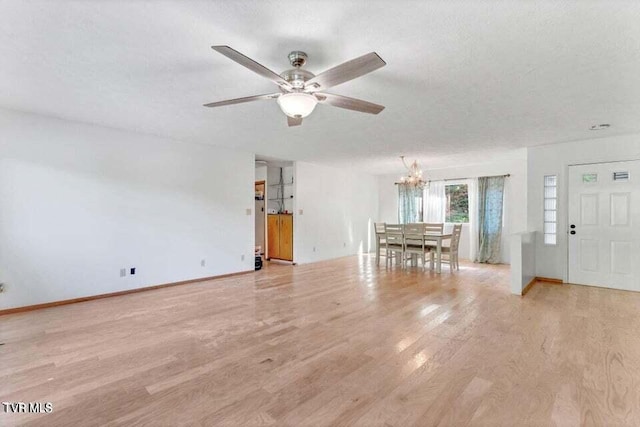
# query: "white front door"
{"type": "Point", "coordinates": [604, 225]}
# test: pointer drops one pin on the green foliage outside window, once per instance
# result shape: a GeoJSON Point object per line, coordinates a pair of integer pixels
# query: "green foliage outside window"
{"type": "Point", "coordinates": [457, 203]}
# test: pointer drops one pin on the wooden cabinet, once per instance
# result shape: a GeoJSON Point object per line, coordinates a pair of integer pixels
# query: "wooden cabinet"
{"type": "Point", "coordinates": [280, 236]}
{"type": "Point", "coordinates": [273, 236]}
{"type": "Point", "coordinates": [286, 237]}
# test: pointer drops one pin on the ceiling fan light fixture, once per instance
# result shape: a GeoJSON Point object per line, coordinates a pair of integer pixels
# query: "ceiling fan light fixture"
{"type": "Point", "coordinates": [297, 104]}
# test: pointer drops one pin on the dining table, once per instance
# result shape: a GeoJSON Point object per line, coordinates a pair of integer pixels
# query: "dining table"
{"type": "Point", "coordinates": [431, 237]}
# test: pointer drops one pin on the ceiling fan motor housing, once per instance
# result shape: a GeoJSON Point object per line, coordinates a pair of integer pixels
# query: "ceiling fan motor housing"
{"type": "Point", "coordinates": [297, 77]}
{"type": "Point", "coordinates": [297, 58]}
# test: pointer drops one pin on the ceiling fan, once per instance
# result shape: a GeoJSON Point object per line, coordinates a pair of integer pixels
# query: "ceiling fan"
{"type": "Point", "coordinates": [301, 90]}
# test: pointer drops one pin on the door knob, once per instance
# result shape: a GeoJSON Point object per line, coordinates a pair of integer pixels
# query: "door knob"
{"type": "Point", "coordinates": [573, 232]}
{"type": "Point", "coordinates": [572, 226]}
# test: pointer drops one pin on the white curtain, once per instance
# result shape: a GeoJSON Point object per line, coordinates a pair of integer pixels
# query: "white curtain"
{"type": "Point", "coordinates": [435, 202]}
{"type": "Point", "coordinates": [473, 218]}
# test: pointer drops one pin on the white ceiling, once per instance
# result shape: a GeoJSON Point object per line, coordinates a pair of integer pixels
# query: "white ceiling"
{"type": "Point", "coordinates": [464, 80]}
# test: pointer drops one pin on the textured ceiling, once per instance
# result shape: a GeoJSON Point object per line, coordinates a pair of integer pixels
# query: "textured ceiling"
{"type": "Point", "coordinates": [464, 81]}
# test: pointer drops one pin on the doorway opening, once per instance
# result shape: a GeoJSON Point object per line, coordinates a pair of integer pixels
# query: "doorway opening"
{"type": "Point", "coordinates": [274, 209]}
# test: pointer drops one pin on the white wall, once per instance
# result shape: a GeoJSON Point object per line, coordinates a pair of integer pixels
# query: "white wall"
{"type": "Point", "coordinates": [261, 172]}
{"type": "Point", "coordinates": [554, 159]}
{"type": "Point", "coordinates": [338, 210]}
{"type": "Point", "coordinates": [523, 260]}
{"type": "Point", "coordinates": [387, 198]}
{"type": "Point", "coordinates": [80, 202]}
{"type": "Point", "coordinates": [515, 214]}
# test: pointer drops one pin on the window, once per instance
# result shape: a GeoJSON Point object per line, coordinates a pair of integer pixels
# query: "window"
{"type": "Point", "coordinates": [550, 208]}
{"type": "Point", "coordinates": [457, 203]}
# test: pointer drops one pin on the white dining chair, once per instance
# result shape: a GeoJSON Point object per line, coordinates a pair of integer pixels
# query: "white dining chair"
{"type": "Point", "coordinates": [394, 242]}
{"type": "Point", "coordinates": [435, 228]}
{"type": "Point", "coordinates": [450, 253]}
{"type": "Point", "coordinates": [415, 243]}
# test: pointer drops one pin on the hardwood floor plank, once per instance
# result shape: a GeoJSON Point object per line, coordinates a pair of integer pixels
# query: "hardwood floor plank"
{"type": "Point", "coordinates": [462, 409]}
{"type": "Point", "coordinates": [342, 342]}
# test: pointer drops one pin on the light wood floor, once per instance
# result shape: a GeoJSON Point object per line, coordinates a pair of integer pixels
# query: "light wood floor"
{"type": "Point", "coordinates": [341, 342]}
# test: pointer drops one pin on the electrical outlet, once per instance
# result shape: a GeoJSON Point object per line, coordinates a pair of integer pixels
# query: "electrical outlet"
{"type": "Point", "coordinates": [241, 257]}
{"type": "Point", "coordinates": [123, 272]}
{"type": "Point", "coordinates": [1, 288]}
{"type": "Point", "coordinates": [314, 249]}
{"type": "Point", "coordinates": [344, 244]}
{"type": "Point", "coordinates": [132, 271]}
{"type": "Point", "coordinates": [300, 211]}
{"type": "Point", "coordinates": [248, 211]}
{"type": "Point", "coordinates": [203, 262]}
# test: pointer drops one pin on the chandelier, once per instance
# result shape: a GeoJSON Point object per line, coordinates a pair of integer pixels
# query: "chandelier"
{"type": "Point", "coordinates": [414, 178]}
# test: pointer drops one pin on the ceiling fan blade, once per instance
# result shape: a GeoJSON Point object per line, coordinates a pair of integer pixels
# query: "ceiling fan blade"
{"type": "Point", "coordinates": [349, 103]}
{"type": "Point", "coordinates": [346, 71]}
{"type": "Point", "coordinates": [251, 64]}
{"type": "Point", "coordinates": [294, 121]}
{"type": "Point", "coordinates": [241, 100]}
